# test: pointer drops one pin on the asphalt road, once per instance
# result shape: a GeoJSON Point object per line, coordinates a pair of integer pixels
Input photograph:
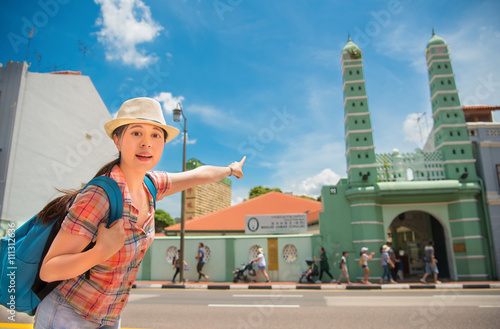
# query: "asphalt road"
{"type": "Point", "coordinates": [149, 308]}
{"type": "Point", "coordinates": [432, 308]}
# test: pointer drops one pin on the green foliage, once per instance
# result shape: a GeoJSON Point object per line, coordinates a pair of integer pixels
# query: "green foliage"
{"type": "Point", "coordinates": [259, 190]}
{"type": "Point", "coordinates": [162, 220]}
{"type": "Point", "coordinates": [306, 197]}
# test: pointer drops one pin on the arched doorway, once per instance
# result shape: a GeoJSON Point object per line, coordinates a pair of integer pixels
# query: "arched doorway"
{"type": "Point", "coordinates": [409, 233]}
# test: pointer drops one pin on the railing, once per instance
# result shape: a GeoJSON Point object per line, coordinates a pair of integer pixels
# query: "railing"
{"type": "Point", "coordinates": [416, 166]}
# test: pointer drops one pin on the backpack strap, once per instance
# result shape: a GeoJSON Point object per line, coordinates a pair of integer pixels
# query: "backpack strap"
{"type": "Point", "coordinates": [151, 187]}
{"type": "Point", "coordinates": [114, 194]}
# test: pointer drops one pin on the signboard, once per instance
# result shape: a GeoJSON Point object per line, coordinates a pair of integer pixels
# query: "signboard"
{"type": "Point", "coordinates": [272, 224]}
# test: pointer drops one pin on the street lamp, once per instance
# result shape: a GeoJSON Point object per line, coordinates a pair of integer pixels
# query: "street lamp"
{"type": "Point", "coordinates": [177, 117]}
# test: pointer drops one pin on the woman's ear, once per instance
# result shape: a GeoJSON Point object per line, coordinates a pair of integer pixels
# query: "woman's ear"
{"type": "Point", "coordinates": [117, 142]}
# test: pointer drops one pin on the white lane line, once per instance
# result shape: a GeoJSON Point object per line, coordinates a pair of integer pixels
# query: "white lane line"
{"type": "Point", "coordinates": [254, 305]}
{"type": "Point", "coordinates": [276, 296]}
{"type": "Point", "coordinates": [488, 306]}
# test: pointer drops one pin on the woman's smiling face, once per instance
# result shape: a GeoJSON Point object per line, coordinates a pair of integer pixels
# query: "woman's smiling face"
{"type": "Point", "coordinates": [141, 145]}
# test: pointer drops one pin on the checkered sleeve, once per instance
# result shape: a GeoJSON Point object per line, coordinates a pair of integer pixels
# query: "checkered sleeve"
{"type": "Point", "coordinates": [162, 183]}
{"type": "Point", "coordinates": [90, 207]}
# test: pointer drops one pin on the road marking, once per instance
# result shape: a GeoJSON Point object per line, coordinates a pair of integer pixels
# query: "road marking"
{"type": "Point", "coordinates": [277, 296]}
{"type": "Point", "coordinates": [395, 301]}
{"type": "Point", "coordinates": [254, 305]}
{"type": "Point", "coordinates": [30, 326]}
{"type": "Point", "coordinates": [489, 306]}
{"type": "Point", "coordinates": [136, 297]}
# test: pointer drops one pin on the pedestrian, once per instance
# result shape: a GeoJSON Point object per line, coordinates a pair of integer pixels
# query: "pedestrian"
{"type": "Point", "coordinates": [401, 268]}
{"type": "Point", "coordinates": [343, 267]}
{"type": "Point", "coordinates": [140, 134]}
{"type": "Point", "coordinates": [386, 263]}
{"type": "Point", "coordinates": [261, 262]}
{"type": "Point", "coordinates": [430, 263]}
{"type": "Point", "coordinates": [177, 265]}
{"type": "Point", "coordinates": [394, 259]}
{"type": "Point", "coordinates": [324, 267]}
{"type": "Point", "coordinates": [200, 256]}
{"type": "Point", "coordinates": [364, 257]}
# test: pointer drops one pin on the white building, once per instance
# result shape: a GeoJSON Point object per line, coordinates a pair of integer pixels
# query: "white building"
{"type": "Point", "coordinates": [51, 136]}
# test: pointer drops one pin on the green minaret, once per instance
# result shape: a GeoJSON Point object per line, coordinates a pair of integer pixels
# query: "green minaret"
{"type": "Point", "coordinates": [360, 151]}
{"type": "Point", "coordinates": [450, 131]}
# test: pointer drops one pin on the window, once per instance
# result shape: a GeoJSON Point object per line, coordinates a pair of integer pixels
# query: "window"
{"type": "Point", "coordinates": [253, 252]}
{"type": "Point", "coordinates": [171, 253]}
{"type": "Point", "coordinates": [290, 253]}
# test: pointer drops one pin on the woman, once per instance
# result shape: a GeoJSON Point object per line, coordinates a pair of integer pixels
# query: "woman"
{"type": "Point", "coordinates": [324, 267]}
{"type": "Point", "coordinates": [139, 133]}
{"type": "Point", "coordinates": [385, 262]}
{"type": "Point", "coordinates": [261, 262]}
{"type": "Point", "coordinates": [364, 260]}
{"type": "Point", "coordinates": [177, 265]}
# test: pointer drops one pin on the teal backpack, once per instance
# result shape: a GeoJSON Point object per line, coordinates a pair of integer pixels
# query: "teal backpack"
{"type": "Point", "coordinates": [22, 252]}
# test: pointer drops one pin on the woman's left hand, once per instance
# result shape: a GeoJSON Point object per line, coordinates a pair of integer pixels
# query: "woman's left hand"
{"type": "Point", "coordinates": [238, 168]}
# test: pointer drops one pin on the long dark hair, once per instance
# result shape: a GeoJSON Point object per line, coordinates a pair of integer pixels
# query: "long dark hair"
{"type": "Point", "coordinates": [58, 207]}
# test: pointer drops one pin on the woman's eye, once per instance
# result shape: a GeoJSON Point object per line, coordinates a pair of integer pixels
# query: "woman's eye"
{"type": "Point", "coordinates": [156, 136]}
{"type": "Point", "coordinates": [136, 133]}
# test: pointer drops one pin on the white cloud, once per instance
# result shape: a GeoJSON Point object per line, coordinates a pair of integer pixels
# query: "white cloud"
{"type": "Point", "coordinates": [416, 128]}
{"type": "Point", "coordinates": [124, 25]}
{"type": "Point", "coordinates": [312, 185]}
{"type": "Point", "coordinates": [168, 101]}
{"type": "Point", "coordinates": [214, 117]}
{"type": "Point", "coordinates": [298, 165]}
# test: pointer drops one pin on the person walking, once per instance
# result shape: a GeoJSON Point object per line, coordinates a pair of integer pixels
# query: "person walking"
{"type": "Point", "coordinates": [177, 265]}
{"type": "Point", "coordinates": [430, 263]}
{"type": "Point", "coordinates": [394, 259]}
{"type": "Point", "coordinates": [261, 262]}
{"type": "Point", "coordinates": [343, 267]}
{"type": "Point", "coordinates": [139, 133]}
{"type": "Point", "coordinates": [364, 258]}
{"type": "Point", "coordinates": [324, 267]}
{"type": "Point", "coordinates": [386, 262]}
{"type": "Point", "coordinates": [200, 256]}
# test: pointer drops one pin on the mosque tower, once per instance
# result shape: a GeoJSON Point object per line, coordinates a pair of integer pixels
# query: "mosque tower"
{"type": "Point", "coordinates": [450, 130]}
{"type": "Point", "coordinates": [360, 151]}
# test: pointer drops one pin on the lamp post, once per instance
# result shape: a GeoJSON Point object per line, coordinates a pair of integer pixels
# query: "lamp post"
{"type": "Point", "coordinates": [177, 117]}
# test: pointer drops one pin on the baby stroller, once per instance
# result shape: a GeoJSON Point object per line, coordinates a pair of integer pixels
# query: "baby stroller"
{"type": "Point", "coordinates": [311, 272]}
{"type": "Point", "coordinates": [239, 272]}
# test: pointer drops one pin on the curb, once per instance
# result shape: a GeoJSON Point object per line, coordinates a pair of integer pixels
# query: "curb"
{"type": "Point", "coordinates": [315, 286]}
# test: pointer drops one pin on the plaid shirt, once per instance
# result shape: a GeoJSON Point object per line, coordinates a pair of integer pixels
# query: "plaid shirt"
{"type": "Point", "coordinates": [102, 298]}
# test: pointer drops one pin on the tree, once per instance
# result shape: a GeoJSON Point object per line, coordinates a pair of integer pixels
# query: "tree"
{"type": "Point", "coordinates": [259, 190]}
{"type": "Point", "coordinates": [162, 220]}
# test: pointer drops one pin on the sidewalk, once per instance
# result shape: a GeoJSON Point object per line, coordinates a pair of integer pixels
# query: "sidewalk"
{"type": "Point", "coordinates": [315, 286]}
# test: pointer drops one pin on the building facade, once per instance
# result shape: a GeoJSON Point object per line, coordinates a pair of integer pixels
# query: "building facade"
{"type": "Point", "coordinates": [51, 136]}
{"type": "Point", "coordinates": [412, 198]}
{"type": "Point", "coordinates": [205, 199]}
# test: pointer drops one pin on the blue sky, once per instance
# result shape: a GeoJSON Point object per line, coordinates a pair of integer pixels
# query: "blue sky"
{"type": "Point", "coordinates": [263, 78]}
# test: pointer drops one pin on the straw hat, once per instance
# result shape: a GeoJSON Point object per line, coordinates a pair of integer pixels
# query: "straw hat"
{"type": "Point", "coordinates": [386, 248]}
{"type": "Point", "coordinates": [260, 250]}
{"type": "Point", "coordinates": [140, 110]}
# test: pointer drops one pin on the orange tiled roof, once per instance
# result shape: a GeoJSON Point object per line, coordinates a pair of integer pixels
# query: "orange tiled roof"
{"type": "Point", "coordinates": [472, 108]}
{"type": "Point", "coordinates": [233, 218]}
